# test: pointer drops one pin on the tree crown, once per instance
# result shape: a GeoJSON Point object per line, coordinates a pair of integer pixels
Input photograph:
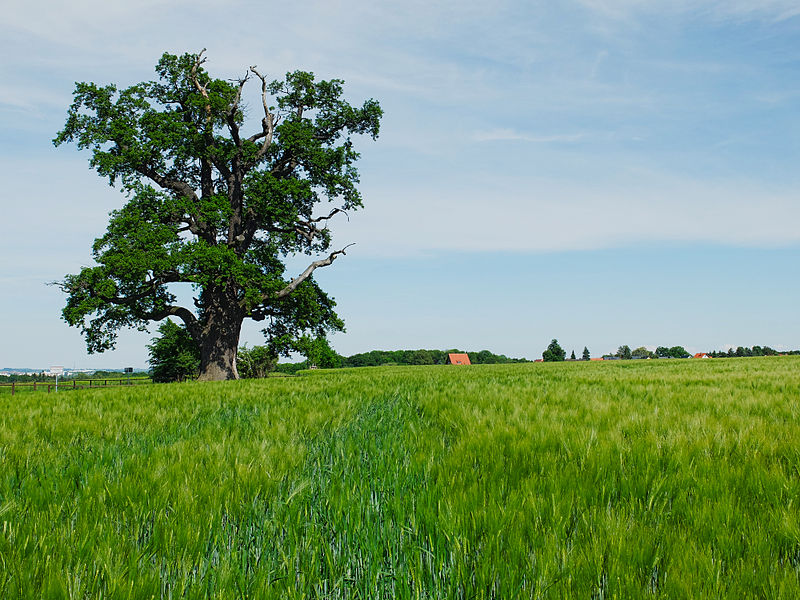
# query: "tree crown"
{"type": "Point", "coordinates": [209, 205]}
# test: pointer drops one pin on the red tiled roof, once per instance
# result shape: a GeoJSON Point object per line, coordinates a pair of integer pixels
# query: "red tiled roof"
{"type": "Point", "coordinates": [458, 359]}
{"type": "Point", "coordinates": [701, 355]}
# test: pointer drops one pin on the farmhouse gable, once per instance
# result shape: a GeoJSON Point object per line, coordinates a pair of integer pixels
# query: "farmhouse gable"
{"type": "Point", "coordinates": [458, 359]}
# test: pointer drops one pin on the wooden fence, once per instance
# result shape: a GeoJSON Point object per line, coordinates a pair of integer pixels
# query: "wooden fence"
{"type": "Point", "coordinates": [71, 384]}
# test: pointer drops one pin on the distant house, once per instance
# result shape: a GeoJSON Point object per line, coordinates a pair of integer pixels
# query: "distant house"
{"type": "Point", "coordinates": [596, 358]}
{"type": "Point", "coordinates": [701, 355]}
{"type": "Point", "coordinates": [458, 359]}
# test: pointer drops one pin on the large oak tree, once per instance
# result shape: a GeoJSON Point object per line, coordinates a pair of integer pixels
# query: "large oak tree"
{"type": "Point", "coordinates": [213, 206]}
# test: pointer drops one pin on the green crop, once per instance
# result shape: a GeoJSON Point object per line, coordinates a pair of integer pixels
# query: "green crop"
{"type": "Point", "coordinates": [673, 479]}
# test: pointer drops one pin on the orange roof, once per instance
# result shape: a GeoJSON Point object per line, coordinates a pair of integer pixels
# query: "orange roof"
{"type": "Point", "coordinates": [458, 359]}
{"type": "Point", "coordinates": [599, 358]}
{"type": "Point", "coordinates": [701, 355]}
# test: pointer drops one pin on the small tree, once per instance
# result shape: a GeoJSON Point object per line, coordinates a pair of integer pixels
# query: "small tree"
{"type": "Point", "coordinates": [586, 355]}
{"type": "Point", "coordinates": [174, 355]}
{"type": "Point", "coordinates": [624, 352]}
{"type": "Point", "coordinates": [641, 352]}
{"type": "Point", "coordinates": [256, 362]}
{"type": "Point", "coordinates": [318, 352]}
{"type": "Point", "coordinates": [554, 352]}
{"type": "Point", "coordinates": [572, 356]}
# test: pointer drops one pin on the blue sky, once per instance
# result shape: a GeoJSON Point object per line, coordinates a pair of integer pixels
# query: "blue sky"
{"type": "Point", "coordinates": [602, 172]}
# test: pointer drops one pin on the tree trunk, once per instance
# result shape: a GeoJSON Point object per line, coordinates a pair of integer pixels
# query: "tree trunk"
{"type": "Point", "coordinates": [219, 341]}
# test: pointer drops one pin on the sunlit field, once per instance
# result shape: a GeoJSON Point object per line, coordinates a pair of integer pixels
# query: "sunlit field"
{"type": "Point", "coordinates": [635, 479]}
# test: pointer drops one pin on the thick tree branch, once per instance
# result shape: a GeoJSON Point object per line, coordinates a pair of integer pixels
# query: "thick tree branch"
{"type": "Point", "coordinates": [151, 286]}
{"type": "Point", "coordinates": [285, 165]}
{"type": "Point", "coordinates": [195, 225]}
{"type": "Point", "coordinates": [174, 185]}
{"type": "Point", "coordinates": [184, 314]}
{"type": "Point", "coordinates": [191, 225]}
{"type": "Point", "coordinates": [206, 178]}
{"type": "Point", "coordinates": [292, 286]}
{"type": "Point", "coordinates": [192, 324]}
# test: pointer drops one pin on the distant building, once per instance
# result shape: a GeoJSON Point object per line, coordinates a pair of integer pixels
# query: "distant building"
{"type": "Point", "coordinates": [701, 355]}
{"type": "Point", "coordinates": [596, 358]}
{"type": "Point", "coordinates": [458, 359]}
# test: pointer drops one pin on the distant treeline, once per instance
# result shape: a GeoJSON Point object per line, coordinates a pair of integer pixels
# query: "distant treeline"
{"type": "Point", "coordinates": [27, 378]}
{"type": "Point", "coordinates": [554, 352]}
{"type": "Point", "coordinates": [44, 376]}
{"type": "Point", "coordinates": [377, 358]}
{"type": "Point", "coordinates": [754, 351]}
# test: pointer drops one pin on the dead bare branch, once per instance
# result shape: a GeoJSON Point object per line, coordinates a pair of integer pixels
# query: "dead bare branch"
{"type": "Point", "coordinates": [308, 229]}
{"type": "Point", "coordinates": [201, 88]}
{"type": "Point", "coordinates": [292, 286]}
{"type": "Point", "coordinates": [267, 123]}
{"type": "Point", "coordinates": [333, 213]}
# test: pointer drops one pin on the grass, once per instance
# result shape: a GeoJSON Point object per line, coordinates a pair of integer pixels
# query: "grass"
{"type": "Point", "coordinates": [672, 479]}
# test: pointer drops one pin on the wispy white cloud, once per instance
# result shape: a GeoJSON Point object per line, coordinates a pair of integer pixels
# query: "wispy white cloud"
{"type": "Point", "coordinates": [771, 10]}
{"type": "Point", "coordinates": [534, 215]}
{"type": "Point", "coordinates": [500, 135]}
{"type": "Point", "coordinates": [33, 100]}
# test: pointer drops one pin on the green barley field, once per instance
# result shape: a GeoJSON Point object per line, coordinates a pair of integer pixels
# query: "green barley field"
{"type": "Point", "coordinates": [637, 479]}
